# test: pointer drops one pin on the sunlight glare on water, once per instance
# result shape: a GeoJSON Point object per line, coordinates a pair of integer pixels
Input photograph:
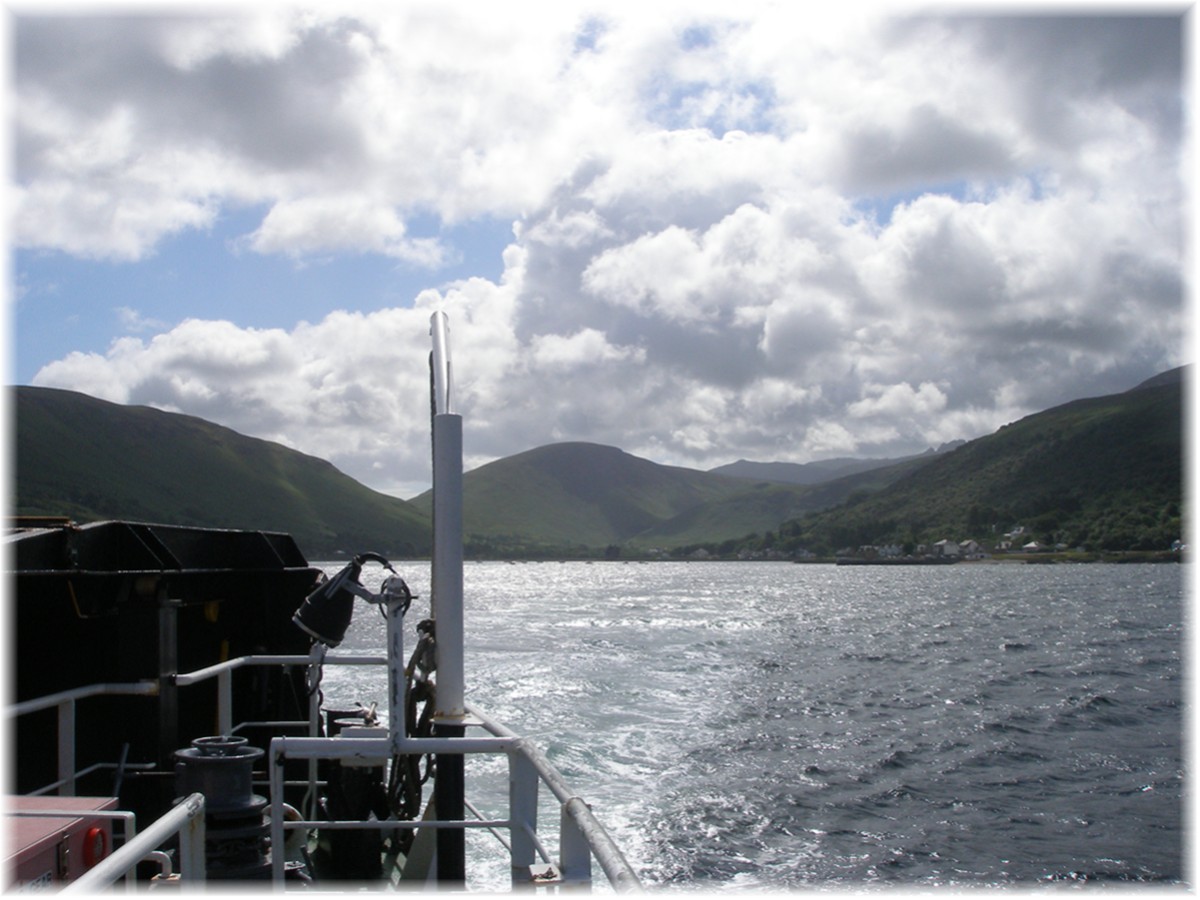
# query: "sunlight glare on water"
{"type": "Point", "coordinates": [772, 725]}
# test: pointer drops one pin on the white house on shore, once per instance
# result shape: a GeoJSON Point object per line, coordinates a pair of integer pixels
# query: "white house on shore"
{"type": "Point", "coordinates": [947, 548]}
{"type": "Point", "coordinates": [972, 550]}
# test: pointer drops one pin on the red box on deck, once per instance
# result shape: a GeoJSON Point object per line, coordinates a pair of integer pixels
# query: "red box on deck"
{"type": "Point", "coordinates": [44, 851]}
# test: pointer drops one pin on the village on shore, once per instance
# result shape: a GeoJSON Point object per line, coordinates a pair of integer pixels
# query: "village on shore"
{"type": "Point", "coordinates": [1016, 545]}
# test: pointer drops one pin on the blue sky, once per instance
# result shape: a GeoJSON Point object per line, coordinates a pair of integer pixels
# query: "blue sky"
{"type": "Point", "coordinates": [696, 231]}
{"type": "Point", "coordinates": [65, 303]}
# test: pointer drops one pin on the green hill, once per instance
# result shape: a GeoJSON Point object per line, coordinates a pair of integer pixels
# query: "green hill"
{"type": "Point", "coordinates": [577, 494]}
{"type": "Point", "coordinates": [821, 471]}
{"type": "Point", "coordinates": [1105, 473]}
{"type": "Point", "coordinates": [759, 507]}
{"type": "Point", "coordinates": [89, 459]}
{"type": "Point", "coordinates": [580, 496]}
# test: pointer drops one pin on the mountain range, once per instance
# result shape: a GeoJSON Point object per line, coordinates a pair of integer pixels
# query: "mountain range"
{"type": "Point", "coordinates": [1101, 473]}
{"type": "Point", "coordinates": [88, 459]}
{"type": "Point", "coordinates": [820, 470]}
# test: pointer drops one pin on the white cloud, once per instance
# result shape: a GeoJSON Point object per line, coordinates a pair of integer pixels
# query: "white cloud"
{"type": "Point", "coordinates": [586, 348]}
{"type": "Point", "coordinates": [898, 401]}
{"type": "Point", "coordinates": [827, 439]}
{"type": "Point", "coordinates": [573, 229]}
{"type": "Point", "coordinates": [803, 327]}
{"type": "Point", "coordinates": [736, 233]}
{"type": "Point", "coordinates": [661, 273]}
{"type": "Point", "coordinates": [249, 34]}
{"type": "Point", "coordinates": [347, 224]}
{"type": "Point", "coordinates": [350, 388]}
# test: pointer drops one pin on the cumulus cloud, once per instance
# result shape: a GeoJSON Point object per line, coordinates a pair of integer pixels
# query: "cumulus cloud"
{"type": "Point", "coordinates": [587, 347]}
{"type": "Point", "coordinates": [331, 389]}
{"type": "Point", "coordinates": [898, 401]}
{"type": "Point", "coordinates": [306, 226]}
{"type": "Point", "coordinates": [734, 235]}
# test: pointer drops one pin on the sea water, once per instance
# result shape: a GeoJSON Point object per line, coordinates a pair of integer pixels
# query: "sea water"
{"type": "Point", "coordinates": [779, 726]}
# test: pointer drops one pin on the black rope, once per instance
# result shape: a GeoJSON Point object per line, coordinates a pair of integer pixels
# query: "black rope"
{"type": "Point", "coordinates": [316, 671]}
{"type": "Point", "coordinates": [406, 780]}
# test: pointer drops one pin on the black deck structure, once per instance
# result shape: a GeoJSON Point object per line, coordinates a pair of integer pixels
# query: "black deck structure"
{"type": "Point", "coordinates": [123, 602]}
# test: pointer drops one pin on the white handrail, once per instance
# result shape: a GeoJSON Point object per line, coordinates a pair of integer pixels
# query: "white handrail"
{"type": "Point", "coordinates": [134, 688]}
{"type": "Point", "coordinates": [185, 819]}
{"type": "Point", "coordinates": [65, 702]}
{"type": "Point", "coordinates": [262, 659]}
{"type": "Point", "coordinates": [581, 835]}
{"type": "Point", "coordinates": [577, 815]}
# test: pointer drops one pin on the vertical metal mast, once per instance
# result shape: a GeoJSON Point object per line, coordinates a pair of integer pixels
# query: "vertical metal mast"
{"type": "Point", "coordinates": [447, 604]}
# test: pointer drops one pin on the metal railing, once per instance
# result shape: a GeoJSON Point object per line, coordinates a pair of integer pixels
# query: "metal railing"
{"type": "Point", "coordinates": [581, 835]}
{"type": "Point", "coordinates": [185, 819]}
{"type": "Point", "coordinates": [65, 702]}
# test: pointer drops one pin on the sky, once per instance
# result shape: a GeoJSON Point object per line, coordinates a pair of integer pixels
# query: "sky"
{"type": "Point", "coordinates": [700, 232]}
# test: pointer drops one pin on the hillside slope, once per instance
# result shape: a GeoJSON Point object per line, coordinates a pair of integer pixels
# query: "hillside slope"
{"type": "Point", "coordinates": [583, 495]}
{"type": "Point", "coordinates": [577, 493]}
{"type": "Point", "coordinates": [763, 505]}
{"type": "Point", "coordinates": [1104, 472]}
{"type": "Point", "coordinates": [89, 459]}
{"type": "Point", "coordinates": [820, 471]}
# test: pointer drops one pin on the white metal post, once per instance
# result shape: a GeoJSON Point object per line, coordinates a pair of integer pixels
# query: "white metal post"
{"type": "Point", "coordinates": [447, 563]}
{"type": "Point", "coordinates": [447, 605]}
{"type": "Point", "coordinates": [447, 600]}
{"type": "Point", "coordinates": [439, 328]}
{"type": "Point", "coordinates": [192, 860]}
{"type": "Point", "coordinates": [523, 810]}
{"type": "Point", "coordinates": [186, 819]}
{"type": "Point", "coordinates": [575, 854]}
{"type": "Point", "coordinates": [316, 659]}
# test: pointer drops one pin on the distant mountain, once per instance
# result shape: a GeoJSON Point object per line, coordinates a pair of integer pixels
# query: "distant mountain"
{"type": "Point", "coordinates": [586, 495]}
{"type": "Point", "coordinates": [821, 470]}
{"type": "Point", "coordinates": [579, 494]}
{"type": "Point", "coordinates": [755, 509]}
{"type": "Point", "coordinates": [89, 459]}
{"type": "Point", "coordinates": [1104, 473]}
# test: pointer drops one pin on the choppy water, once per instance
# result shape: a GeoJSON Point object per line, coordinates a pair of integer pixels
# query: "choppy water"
{"type": "Point", "coordinates": [759, 725]}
